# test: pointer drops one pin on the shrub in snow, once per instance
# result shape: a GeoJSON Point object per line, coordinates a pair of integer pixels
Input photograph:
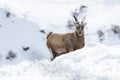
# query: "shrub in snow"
{"type": "Point", "coordinates": [82, 8]}
{"type": "Point", "coordinates": [116, 29]}
{"type": "Point", "coordinates": [26, 48]}
{"type": "Point", "coordinates": [109, 35]}
{"type": "Point", "coordinates": [8, 14]}
{"type": "Point", "coordinates": [78, 13]}
{"type": "Point", "coordinates": [11, 55]}
{"type": "Point", "coordinates": [100, 35]}
{"type": "Point", "coordinates": [42, 31]}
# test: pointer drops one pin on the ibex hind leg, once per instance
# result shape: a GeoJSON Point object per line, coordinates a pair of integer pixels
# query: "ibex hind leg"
{"type": "Point", "coordinates": [52, 55]}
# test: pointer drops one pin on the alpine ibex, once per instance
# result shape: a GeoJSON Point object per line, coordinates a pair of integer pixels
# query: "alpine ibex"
{"type": "Point", "coordinates": [59, 44]}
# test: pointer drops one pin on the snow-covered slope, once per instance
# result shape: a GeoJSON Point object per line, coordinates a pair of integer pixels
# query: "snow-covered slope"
{"type": "Point", "coordinates": [24, 25]}
{"type": "Point", "coordinates": [88, 63]}
{"type": "Point", "coordinates": [17, 34]}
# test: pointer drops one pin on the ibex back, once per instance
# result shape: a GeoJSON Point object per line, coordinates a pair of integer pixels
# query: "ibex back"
{"type": "Point", "coordinates": [59, 44]}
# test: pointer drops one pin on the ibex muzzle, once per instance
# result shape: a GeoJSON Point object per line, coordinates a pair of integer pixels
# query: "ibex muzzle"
{"type": "Point", "coordinates": [59, 44]}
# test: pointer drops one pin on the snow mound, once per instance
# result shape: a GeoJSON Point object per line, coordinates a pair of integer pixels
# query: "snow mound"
{"type": "Point", "coordinates": [20, 39]}
{"type": "Point", "coordinates": [90, 63]}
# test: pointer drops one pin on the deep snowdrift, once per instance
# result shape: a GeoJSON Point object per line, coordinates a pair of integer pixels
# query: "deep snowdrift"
{"type": "Point", "coordinates": [90, 63]}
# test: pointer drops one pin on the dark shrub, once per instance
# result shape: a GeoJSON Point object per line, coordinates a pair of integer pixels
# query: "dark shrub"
{"type": "Point", "coordinates": [26, 48]}
{"type": "Point", "coordinates": [116, 29]}
{"type": "Point", "coordinates": [42, 31]}
{"type": "Point", "coordinates": [100, 35]}
{"type": "Point", "coordinates": [11, 55]}
{"type": "Point", "coordinates": [8, 14]}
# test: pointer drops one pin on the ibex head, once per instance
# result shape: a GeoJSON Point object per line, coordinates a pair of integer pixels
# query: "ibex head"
{"type": "Point", "coordinates": [79, 27]}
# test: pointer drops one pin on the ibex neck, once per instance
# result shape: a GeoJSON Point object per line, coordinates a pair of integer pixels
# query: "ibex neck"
{"type": "Point", "coordinates": [78, 41]}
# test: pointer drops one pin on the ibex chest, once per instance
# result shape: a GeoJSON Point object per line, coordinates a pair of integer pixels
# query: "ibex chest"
{"type": "Point", "coordinates": [78, 43]}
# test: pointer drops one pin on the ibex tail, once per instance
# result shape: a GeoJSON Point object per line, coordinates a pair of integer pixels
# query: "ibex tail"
{"type": "Point", "coordinates": [49, 34]}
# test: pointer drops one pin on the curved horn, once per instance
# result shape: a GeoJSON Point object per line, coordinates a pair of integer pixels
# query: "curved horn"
{"type": "Point", "coordinates": [75, 18]}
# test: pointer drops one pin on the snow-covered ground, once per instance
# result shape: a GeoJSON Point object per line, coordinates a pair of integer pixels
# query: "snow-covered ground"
{"type": "Point", "coordinates": [98, 62]}
{"type": "Point", "coordinates": [24, 25]}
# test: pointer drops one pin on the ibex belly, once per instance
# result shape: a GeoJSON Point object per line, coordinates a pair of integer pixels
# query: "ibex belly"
{"type": "Point", "coordinates": [60, 51]}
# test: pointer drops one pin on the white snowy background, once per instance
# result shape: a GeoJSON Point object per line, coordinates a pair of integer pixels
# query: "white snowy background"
{"type": "Point", "coordinates": [24, 25]}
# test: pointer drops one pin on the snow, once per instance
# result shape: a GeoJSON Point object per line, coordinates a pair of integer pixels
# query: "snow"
{"type": "Point", "coordinates": [24, 25]}
{"type": "Point", "coordinates": [17, 33]}
{"type": "Point", "coordinates": [88, 63]}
